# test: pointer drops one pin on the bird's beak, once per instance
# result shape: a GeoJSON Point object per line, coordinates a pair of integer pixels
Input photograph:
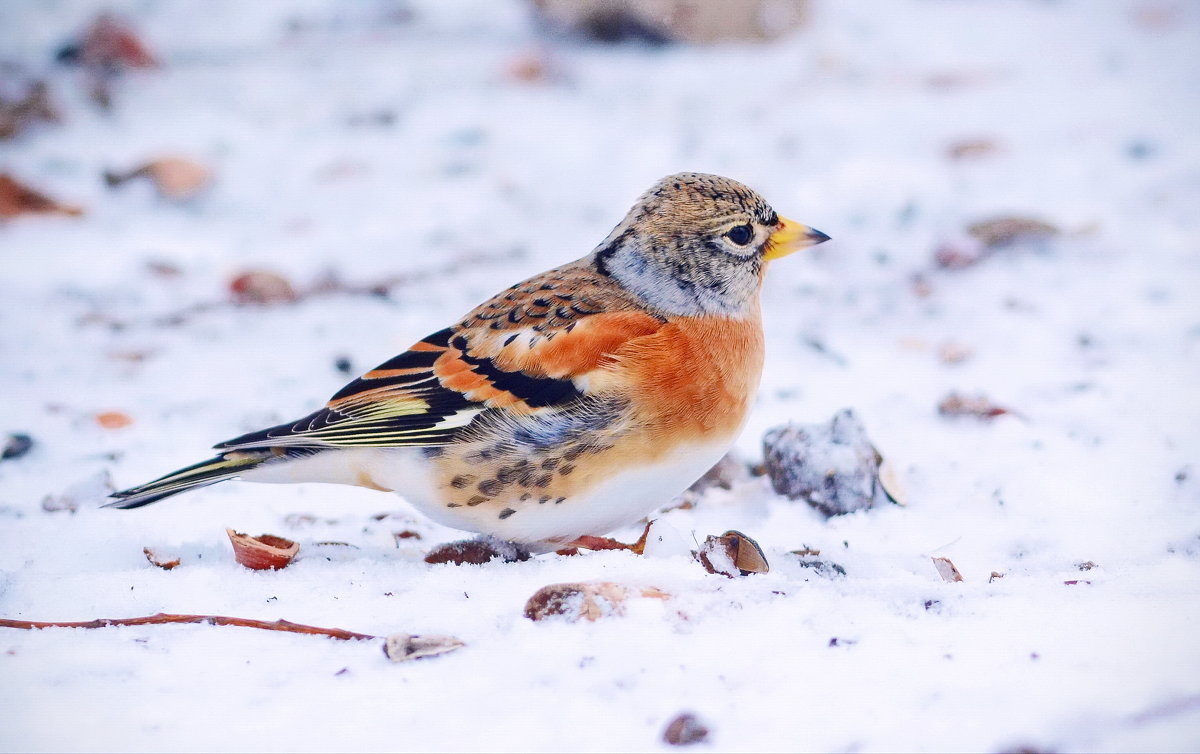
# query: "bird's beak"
{"type": "Point", "coordinates": [791, 236]}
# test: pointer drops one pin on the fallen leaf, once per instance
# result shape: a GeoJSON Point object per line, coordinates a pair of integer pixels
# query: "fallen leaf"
{"type": "Point", "coordinates": [980, 407]}
{"type": "Point", "coordinates": [946, 569]}
{"type": "Point", "coordinates": [175, 178]}
{"type": "Point", "coordinates": [161, 561]}
{"type": "Point", "coordinates": [18, 199]}
{"type": "Point", "coordinates": [1004, 231]}
{"type": "Point", "coordinates": [25, 111]}
{"type": "Point", "coordinates": [109, 44]}
{"type": "Point", "coordinates": [113, 419]}
{"type": "Point", "coordinates": [261, 287]}
{"type": "Point", "coordinates": [966, 149]}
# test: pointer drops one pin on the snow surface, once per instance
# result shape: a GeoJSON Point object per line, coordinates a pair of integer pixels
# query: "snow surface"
{"type": "Point", "coordinates": [480, 179]}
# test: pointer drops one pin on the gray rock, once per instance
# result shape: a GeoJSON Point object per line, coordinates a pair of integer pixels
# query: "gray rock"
{"type": "Point", "coordinates": [833, 467]}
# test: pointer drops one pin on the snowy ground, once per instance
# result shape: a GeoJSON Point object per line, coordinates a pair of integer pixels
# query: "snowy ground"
{"type": "Point", "coordinates": [479, 178]}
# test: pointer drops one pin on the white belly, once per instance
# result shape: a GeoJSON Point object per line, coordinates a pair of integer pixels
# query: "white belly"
{"type": "Point", "coordinates": [617, 501]}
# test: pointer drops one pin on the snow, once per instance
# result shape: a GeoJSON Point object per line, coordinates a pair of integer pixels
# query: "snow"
{"type": "Point", "coordinates": [479, 179]}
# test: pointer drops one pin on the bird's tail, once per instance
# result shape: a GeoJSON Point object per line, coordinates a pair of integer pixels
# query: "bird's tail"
{"type": "Point", "coordinates": [201, 474]}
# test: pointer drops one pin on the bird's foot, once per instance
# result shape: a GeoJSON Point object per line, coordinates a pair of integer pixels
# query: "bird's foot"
{"type": "Point", "coordinates": [588, 542]}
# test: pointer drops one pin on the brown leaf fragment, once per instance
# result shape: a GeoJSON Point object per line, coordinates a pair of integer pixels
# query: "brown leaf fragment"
{"type": "Point", "coordinates": [161, 561]}
{"type": "Point", "coordinates": [805, 552]}
{"type": "Point", "coordinates": [946, 569]}
{"type": "Point", "coordinates": [995, 575]}
{"type": "Point", "coordinates": [974, 148]}
{"type": "Point", "coordinates": [18, 199]}
{"type": "Point", "coordinates": [1086, 565]}
{"type": "Point", "coordinates": [999, 232]}
{"type": "Point", "coordinates": [477, 552]}
{"type": "Point", "coordinates": [264, 552]}
{"type": "Point", "coordinates": [684, 730]}
{"type": "Point", "coordinates": [732, 554]}
{"type": "Point", "coordinates": [175, 178]}
{"type": "Point", "coordinates": [400, 536]}
{"type": "Point", "coordinates": [108, 45]}
{"type": "Point", "coordinates": [261, 287]}
{"type": "Point", "coordinates": [953, 256]}
{"type": "Point", "coordinates": [588, 601]}
{"type": "Point", "coordinates": [20, 112]}
{"type": "Point", "coordinates": [956, 404]}
{"type": "Point", "coordinates": [528, 67]}
{"type": "Point", "coordinates": [113, 419]}
{"type": "Point", "coordinates": [953, 353]}
{"type": "Point", "coordinates": [405, 647]}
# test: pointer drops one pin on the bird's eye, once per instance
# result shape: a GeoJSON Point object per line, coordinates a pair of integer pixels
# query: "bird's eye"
{"type": "Point", "coordinates": [741, 234]}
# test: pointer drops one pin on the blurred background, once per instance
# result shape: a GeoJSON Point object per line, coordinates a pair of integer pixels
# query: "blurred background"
{"type": "Point", "coordinates": [215, 213]}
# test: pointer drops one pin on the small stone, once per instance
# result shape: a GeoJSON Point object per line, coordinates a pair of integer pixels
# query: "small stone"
{"type": "Point", "coordinates": [833, 467]}
{"type": "Point", "coordinates": [15, 446]}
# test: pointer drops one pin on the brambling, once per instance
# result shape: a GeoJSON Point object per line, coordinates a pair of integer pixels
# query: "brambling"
{"type": "Point", "coordinates": [568, 405]}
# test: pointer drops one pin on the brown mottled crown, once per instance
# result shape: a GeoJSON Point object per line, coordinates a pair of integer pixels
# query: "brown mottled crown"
{"type": "Point", "coordinates": [675, 248]}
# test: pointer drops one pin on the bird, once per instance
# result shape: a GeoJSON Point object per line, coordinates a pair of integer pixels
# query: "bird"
{"type": "Point", "coordinates": [570, 404]}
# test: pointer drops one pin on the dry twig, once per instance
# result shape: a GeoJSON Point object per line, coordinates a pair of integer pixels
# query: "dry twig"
{"type": "Point", "coordinates": [214, 620]}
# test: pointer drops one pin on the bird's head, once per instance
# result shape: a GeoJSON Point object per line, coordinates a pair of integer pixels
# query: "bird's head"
{"type": "Point", "coordinates": [698, 244]}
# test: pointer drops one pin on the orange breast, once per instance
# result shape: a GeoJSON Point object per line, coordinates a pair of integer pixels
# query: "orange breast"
{"type": "Point", "coordinates": [695, 376]}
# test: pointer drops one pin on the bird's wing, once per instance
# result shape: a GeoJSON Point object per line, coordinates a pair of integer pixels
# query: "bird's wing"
{"type": "Point", "coordinates": [527, 351]}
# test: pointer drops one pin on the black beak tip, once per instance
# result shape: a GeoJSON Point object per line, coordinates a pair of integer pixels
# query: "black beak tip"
{"type": "Point", "coordinates": [816, 236]}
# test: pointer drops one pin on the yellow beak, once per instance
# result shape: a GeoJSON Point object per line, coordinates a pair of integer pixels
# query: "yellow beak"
{"type": "Point", "coordinates": [791, 236]}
